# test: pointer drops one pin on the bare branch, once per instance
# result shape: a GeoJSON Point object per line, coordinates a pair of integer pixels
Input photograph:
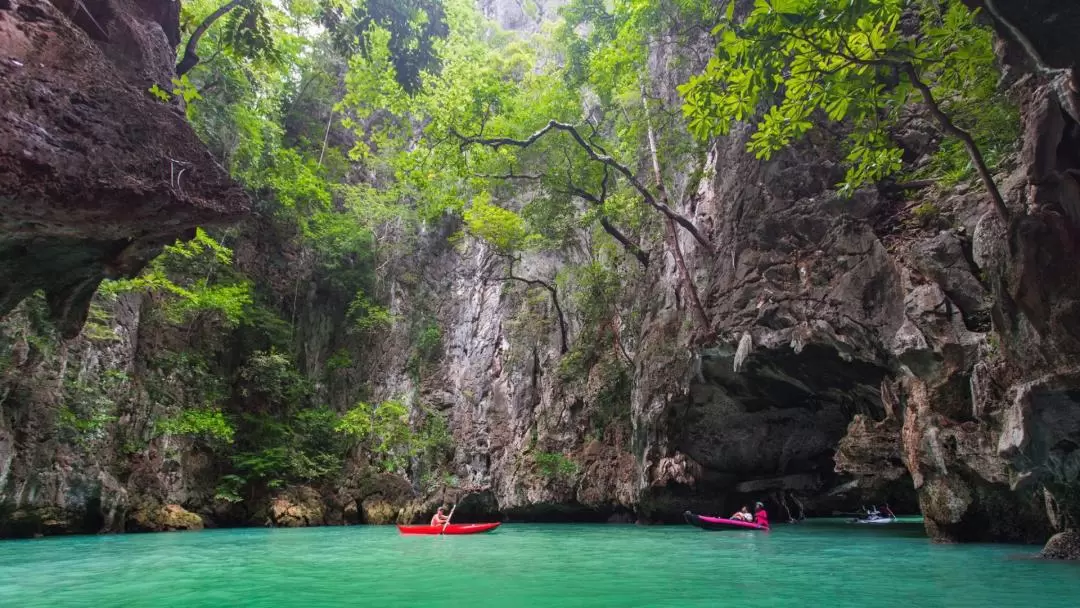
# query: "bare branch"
{"type": "Point", "coordinates": [641, 255]}
{"type": "Point", "coordinates": [510, 276]}
{"type": "Point", "coordinates": [509, 176]}
{"type": "Point", "coordinates": [701, 318]}
{"type": "Point", "coordinates": [608, 227]}
{"type": "Point", "coordinates": [597, 156]}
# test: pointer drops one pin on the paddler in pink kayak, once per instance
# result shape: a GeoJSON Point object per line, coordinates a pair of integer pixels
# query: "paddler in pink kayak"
{"type": "Point", "coordinates": [742, 514]}
{"type": "Point", "coordinates": [761, 517]}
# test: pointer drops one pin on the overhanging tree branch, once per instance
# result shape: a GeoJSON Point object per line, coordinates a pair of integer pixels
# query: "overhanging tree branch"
{"type": "Point", "coordinates": [949, 127]}
{"type": "Point", "coordinates": [944, 122]}
{"type": "Point", "coordinates": [597, 156]}
{"type": "Point", "coordinates": [191, 58]}
{"type": "Point", "coordinates": [605, 223]}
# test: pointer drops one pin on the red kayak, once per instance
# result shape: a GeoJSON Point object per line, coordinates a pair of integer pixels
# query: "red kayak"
{"type": "Point", "coordinates": [450, 529]}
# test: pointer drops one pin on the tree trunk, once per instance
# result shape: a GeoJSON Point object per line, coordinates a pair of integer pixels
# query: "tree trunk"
{"type": "Point", "coordinates": [700, 317]}
{"type": "Point", "coordinates": [950, 128]}
{"type": "Point", "coordinates": [191, 58]}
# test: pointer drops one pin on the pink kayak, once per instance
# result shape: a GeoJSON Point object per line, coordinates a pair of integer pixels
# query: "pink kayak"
{"type": "Point", "coordinates": [719, 523]}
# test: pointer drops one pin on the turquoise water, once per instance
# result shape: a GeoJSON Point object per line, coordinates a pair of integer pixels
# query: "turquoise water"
{"type": "Point", "coordinates": [811, 564]}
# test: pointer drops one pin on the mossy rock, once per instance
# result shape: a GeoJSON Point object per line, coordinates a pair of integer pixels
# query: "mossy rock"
{"type": "Point", "coordinates": [378, 511]}
{"type": "Point", "coordinates": [31, 522]}
{"type": "Point", "coordinates": [297, 507]}
{"type": "Point", "coordinates": [164, 518]}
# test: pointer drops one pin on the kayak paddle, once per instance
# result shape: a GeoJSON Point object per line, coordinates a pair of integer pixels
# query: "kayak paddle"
{"type": "Point", "coordinates": [447, 522]}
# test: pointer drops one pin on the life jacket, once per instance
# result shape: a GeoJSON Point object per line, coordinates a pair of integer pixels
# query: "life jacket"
{"type": "Point", "coordinates": [761, 518]}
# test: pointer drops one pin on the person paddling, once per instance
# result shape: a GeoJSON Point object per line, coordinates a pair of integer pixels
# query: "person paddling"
{"type": "Point", "coordinates": [761, 517]}
{"type": "Point", "coordinates": [742, 514]}
{"type": "Point", "coordinates": [440, 518]}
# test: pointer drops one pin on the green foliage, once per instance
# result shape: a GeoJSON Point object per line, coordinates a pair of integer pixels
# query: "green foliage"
{"type": "Point", "coordinates": [38, 330]}
{"type": "Point", "coordinates": [98, 326]}
{"type": "Point", "coordinates": [926, 213]}
{"type": "Point", "coordinates": [426, 349]}
{"type": "Point", "coordinates": [611, 411]}
{"type": "Point", "coordinates": [367, 316]}
{"type": "Point", "coordinates": [177, 380]}
{"type": "Point", "coordinates": [300, 448]}
{"type": "Point", "coordinates": [595, 289]}
{"type": "Point", "coordinates": [298, 182]}
{"type": "Point", "coordinates": [181, 276]}
{"type": "Point", "coordinates": [90, 405]}
{"type": "Point", "coordinates": [84, 426]}
{"type": "Point", "coordinates": [384, 429]}
{"type": "Point", "coordinates": [503, 229]}
{"type": "Point", "coordinates": [850, 62]}
{"type": "Point", "coordinates": [182, 88]}
{"type": "Point", "coordinates": [575, 364]}
{"type": "Point", "coordinates": [270, 375]}
{"type": "Point", "coordinates": [555, 466]}
{"type": "Point", "coordinates": [429, 342]}
{"type": "Point", "coordinates": [435, 443]}
{"type": "Point", "coordinates": [412, 27]}
{"type": "Point", "coordinates": [229, 488]}
{"type": "Point", "coordinates": [209, 424]}
{"type": "Point", "coordinates": [339, 360]}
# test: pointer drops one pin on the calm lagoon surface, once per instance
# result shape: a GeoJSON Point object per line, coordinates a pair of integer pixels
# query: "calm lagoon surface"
{"type": "Point", "coordinates": [816, 563]}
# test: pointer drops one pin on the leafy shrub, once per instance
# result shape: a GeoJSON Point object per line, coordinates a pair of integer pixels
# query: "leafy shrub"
{"type": "Point", "coordinates": [271, 374]}
{"type": "Point", "coordinates": [339, 360]}
{"type": "Point", "coordinates": [926, 214]}
{"type": "Point", "coordinates": [182, 276]}
{"type": "Point", "coordinates": [384, 430]}
{"type": "Point", "coordinates": [206, 423]}
{"type": "Point", "coordinates": [427, 348]}
{"type": "Point", "coordinates": [229, 487]}
{"type": "Point", "coordinates": [366, 316]}
{"type": "Point", "coordinates": [554, 465]}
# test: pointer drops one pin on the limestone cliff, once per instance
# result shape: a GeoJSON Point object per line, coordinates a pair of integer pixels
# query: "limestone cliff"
{"type": "Point", "coordinates": [95, 174]}
{"type": "Point", "coordinates": [861, 351]}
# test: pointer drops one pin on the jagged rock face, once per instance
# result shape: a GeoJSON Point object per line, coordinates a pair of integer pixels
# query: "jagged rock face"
{"type": "Point", "coordinates": [1063, 545]}
{"type": "Point", "coordinates": [95, 174]}
{"type": "Point", "coordinates": [497, 380]}
{"type": "Point", "coordinates": [816, 304]}
{"type": "Point", "coordinates": [805, 298]}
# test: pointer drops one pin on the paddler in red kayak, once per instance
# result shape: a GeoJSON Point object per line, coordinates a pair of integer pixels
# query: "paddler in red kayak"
{"type": "Point", "coordinates": [440, 518]}
{"type": "Point", "coordinates": [761, 517]}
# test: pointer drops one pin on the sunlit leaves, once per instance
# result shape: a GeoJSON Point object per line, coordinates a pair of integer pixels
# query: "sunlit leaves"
{"type": "Point", "coordinates": [790, 59]}
{"type": "Point", "coordinates": [384, 428]}
{"type": "Point", "coordinates": [503, 229]}
{"type": "Point", "coordinates": [181, 276]}
{"type": "Point", "coordinates": [412, 27]}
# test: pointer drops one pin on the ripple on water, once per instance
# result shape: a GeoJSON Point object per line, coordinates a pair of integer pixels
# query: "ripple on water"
{"type": "Point", "coordinates": [813, 564]}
